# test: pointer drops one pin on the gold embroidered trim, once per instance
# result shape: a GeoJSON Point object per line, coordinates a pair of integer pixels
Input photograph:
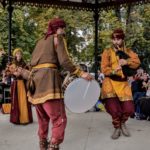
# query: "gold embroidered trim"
{"type": "Point", "coordinates": [109, 95]}
{"type": "Point", "coordinates": [43, 99]}
{"type": "Point", "coordinates": [125, 98]}
{"type": "Point", "coordinates": [120, 98]}
{"type": "Point", "coordinates": [65, 45]}
{"type": "Point", "coordinates": [46, 65]}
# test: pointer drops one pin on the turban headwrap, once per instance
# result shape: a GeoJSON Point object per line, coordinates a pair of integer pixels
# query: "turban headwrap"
{"type": "Point", "coordinates": [17, 50]}
{"type": "Point", "coordinates": [118, 33]}
{"type": "Point", "coordinates": [53, 25]}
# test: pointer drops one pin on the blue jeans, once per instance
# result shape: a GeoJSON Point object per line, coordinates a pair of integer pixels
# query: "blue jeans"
{"type": "Point", "coordinates": [136, 98]}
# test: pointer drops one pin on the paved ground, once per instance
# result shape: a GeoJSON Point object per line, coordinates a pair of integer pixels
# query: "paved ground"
{"type": "Point", "coordinates": [87, 131]}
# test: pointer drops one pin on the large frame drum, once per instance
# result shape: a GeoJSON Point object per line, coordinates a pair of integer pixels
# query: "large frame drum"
{"type": "Point", "coordinates": [81, 95]}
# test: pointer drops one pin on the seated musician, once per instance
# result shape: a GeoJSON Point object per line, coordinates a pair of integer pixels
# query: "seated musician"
{"type": "Point", "coordinates": [116, 92]}
{"type": "Point", "coordinates": [3, 79]}
{"type": "Point", "coordinates": [3, 60]}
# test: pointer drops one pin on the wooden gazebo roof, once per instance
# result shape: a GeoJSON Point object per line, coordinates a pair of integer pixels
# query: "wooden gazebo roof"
{"type": "Point", "coordinates": [87, 5]}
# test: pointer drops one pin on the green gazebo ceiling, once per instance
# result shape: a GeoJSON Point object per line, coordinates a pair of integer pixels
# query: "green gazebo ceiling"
{"type": "Point", "coordinates": [87, 5]}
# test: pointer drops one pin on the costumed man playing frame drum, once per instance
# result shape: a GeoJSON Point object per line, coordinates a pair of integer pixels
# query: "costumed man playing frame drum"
{"type": "Point", "coordinates": [116, 92]}
{"type": "Point", "coordinates": [45, 83]}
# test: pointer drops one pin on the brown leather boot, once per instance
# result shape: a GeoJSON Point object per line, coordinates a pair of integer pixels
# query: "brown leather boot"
{"type": "Point", "coordinates": [116, 134]}
{"type": "Point", "coordinates": [125, 130]}
{"type": "Point", "coordinates": [53, 147]}
{"type": "Point", "coordinates": [43, 144]}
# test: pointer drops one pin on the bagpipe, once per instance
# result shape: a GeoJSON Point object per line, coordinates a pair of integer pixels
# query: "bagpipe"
{"type": "Point", "coordinates": [127, 71]}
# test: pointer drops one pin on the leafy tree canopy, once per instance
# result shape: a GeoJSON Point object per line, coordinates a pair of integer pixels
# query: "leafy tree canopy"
{"type": "Point", "coordinates": [30, 24]}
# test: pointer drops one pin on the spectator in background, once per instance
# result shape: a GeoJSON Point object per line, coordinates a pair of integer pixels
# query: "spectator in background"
{"type": "Point", "coordinates": [101, 77]}
{"type": "Point", "coordinates": [3, 60]}
{"type": "Point", "coordinates": [3, 80]}
{"type": "Point", "coordinates": [139, 89]}
{"type": "Point", "coordinates": [148, 89]}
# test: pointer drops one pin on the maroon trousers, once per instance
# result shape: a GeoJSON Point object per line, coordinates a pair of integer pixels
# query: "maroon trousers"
{"type": "Point", "coordinates": [120, 111]}
{"type": "Point", "coordinates": [53, 110]}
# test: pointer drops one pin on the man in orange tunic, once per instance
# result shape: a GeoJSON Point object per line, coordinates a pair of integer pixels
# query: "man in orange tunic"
{"type": "Point", "coordinates": [116, 91]}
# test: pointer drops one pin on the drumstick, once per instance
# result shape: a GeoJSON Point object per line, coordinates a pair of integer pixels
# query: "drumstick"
{"type": "Point", "coordinates": [86, 89]}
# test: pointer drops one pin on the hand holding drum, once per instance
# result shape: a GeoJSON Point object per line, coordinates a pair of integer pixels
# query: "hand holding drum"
{"type": "Point", "coordinates": [86, 76]}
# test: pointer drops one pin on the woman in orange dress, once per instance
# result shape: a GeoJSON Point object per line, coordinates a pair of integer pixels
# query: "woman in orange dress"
{"type": "Point", "coordinates": [21, 112]}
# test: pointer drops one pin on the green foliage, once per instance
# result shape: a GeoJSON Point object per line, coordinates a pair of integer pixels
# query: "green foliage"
{"type": "Point", "coordinates": [3, 29]}
{"type": "Point", "coordinates": [29, 24]}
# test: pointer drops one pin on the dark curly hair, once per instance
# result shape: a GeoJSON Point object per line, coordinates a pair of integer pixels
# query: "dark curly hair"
{"type": "Point", "coordinates": [118, 33]}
